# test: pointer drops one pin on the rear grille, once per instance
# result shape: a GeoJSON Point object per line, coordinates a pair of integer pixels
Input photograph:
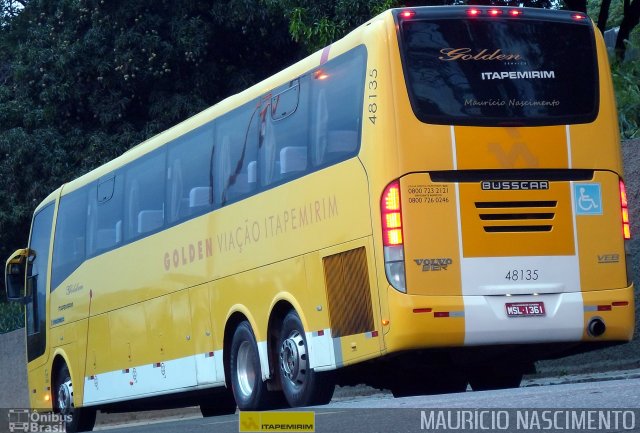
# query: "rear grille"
{"type": "Point", "coordinates": [348, 292]}
{"type": "Point", "coordinates": [517, 216]}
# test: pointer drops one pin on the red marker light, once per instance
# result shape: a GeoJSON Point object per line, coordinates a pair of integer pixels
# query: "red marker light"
{"type": "Point", "coordinates": [624, 207]}
{"type": "Point", "coordinates": [515, 12]}
{"type": "Point", "coordinates": [407, 14]}
{"type": "Point", "coordinates": [578, 17]}
{"type": "Point", "coordinates": [494, 12]}
{"type": "Point", "coordinates": [473, 12]}
{"type": "Point", "coordinates": [320, 75]}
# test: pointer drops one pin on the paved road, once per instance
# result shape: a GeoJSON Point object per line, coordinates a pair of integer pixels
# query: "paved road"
{"type": "Point", "coordinates": [551, 407]}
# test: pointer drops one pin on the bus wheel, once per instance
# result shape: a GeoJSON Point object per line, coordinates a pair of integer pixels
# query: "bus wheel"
{"type": "Point", "coordinates": [488, 380]}
{"type": "Point", "coordinates": [249, 390]}
{"type": "Point", "coordinates": [76, 419]}
{"type": "Point", "coordinates": [219, 403]}
{"type": "Point", "coordinates": [302, 386]}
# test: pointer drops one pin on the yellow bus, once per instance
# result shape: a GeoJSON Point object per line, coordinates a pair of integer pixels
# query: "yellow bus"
{"type": "Point", "coordinates": [433, 201]}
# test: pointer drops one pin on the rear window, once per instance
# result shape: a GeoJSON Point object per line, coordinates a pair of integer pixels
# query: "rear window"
{"type": "Point", "coordinates": [488, 71]}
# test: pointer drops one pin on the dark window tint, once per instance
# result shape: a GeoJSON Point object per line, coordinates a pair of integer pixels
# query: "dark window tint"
{"type": "Point", "coordinates": [486, 71]}
{"type": "Point", "coordinates": [105, 215]}
{"type": "Point", "coordinates": [144, 196]}
{"type": "Point", "coordinates": [284, 150]}
{"type": "Point", "coordinates": [285, 102]}
{"type": "Point", "coordinates": [188, 177]}
{"type": "Point", "coordinates": [337, 89]}
{"type": "Point", "coordinates": [234, 168]}
{"type": "Point", "coordinates": [37, 268]}
{"type": "Point", "coordinates": [70, 242]}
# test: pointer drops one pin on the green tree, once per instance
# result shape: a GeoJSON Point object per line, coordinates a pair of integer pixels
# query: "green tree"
{"type": "Point", "coordinates": [81, 81]}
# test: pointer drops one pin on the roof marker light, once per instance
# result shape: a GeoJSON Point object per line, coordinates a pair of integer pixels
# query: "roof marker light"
{"type": "Point", "coordinates": [578, 17]}
{"type": "Point", "coordinates": [515, 12]}
{"type": "Point", "coordinates": [494, 12]}
{"type": "Point", "coordinates": [473, 12]}
{"type": "Point", "coordinates": [408, 14]}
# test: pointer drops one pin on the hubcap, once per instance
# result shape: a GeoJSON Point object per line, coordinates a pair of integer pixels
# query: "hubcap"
{"type": "Point", "coordinates": [245, 369]}
{"type": "Point", "coordinates": [65, 398]}
{"type": "Point", "coordinates": [293, 359]}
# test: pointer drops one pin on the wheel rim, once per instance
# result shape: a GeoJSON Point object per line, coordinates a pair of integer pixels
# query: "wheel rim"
{"type": "Point", "coordinates": [65, 398]}
{"type": "Point", "coordinates": [246, 371]}
{"type": "Point", "coordinates": [293, 359]}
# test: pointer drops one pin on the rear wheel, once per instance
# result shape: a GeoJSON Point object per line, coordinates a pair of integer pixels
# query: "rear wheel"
{"type": "Point", "coordinates": [220, 403]}
{"type": "Point", "coordinates": [249, 390]}
{"type": "Point", "coordinates": [75, 419]}
{"type": "Point", "coordinates": [302, 386]}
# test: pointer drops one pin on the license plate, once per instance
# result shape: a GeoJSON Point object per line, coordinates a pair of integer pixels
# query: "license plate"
{"type": "Point", "coordinates": [525, 309]}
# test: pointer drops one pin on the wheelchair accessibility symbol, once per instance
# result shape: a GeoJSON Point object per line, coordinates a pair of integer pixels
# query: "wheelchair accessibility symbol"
{"type": "Point", "coordinates": [587, 198]}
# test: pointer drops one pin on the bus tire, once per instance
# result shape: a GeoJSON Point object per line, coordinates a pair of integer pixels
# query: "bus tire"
{"type": "Point", "coordinates": [302, 386]}
{"type": "Point", "coordinates": [489, 380]}
{"type": "Point", "coordinates": [82, 419]}
{"type": "Point", "coordinates": [249, 390]}
{"type": "Point", "coordinates": [219, 403]}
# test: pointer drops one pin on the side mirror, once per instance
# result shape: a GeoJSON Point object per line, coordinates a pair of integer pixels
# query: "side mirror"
{"type": "Point", "coordinates": [14, 276]}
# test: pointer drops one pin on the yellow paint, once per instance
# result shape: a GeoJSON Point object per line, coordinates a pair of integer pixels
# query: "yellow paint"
{"type": "Point", "coordinates": [480, 243]}
{"type": "Point", "coordinates": [619, 321]}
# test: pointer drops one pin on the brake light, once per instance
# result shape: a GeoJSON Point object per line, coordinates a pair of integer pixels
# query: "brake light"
{"type": "Point", "coordinates": [407, 14]}
{"type": "Point", "coordinates": [392, 240]}
{"type": "Point", "coordinates": [624, 205]}
{"type": "Point", "coordinates": [392, 215]}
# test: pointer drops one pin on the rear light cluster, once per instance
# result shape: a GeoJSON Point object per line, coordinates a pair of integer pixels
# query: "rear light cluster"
{"type": "Point", "coordinates": [391, 213]}
{"type": "Point", "coordinates": [493, 12]}
{"type": "Point", "coordinates": [624, 205]}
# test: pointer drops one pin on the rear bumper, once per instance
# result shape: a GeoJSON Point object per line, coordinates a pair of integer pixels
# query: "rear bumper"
{"type": "Point", "coordinates": [420, 322]}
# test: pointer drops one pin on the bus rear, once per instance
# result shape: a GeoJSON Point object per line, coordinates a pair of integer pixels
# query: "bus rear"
{"type": "Point", "coordinates": [506, 221]}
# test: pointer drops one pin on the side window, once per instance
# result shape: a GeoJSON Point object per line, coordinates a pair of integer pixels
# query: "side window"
{"type": "Point", "coordinates": [144, 196]}
{"type": "Point", "coordinates": [235, 154]}
{"type": "Point", "coordinates": [189, 190]}
{"type": "Point", "coordinates": [69, 243]}
{"type": "Point", "coordinates": [337, 91]}
{"type": "Point", "coordinates": [286, 141]}
{"type": "Point", "coordinates": [105, 215]}
{"type": "Point", "coordinates": [37, 268]}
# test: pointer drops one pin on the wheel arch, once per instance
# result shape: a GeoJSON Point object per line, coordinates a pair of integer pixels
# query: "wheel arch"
{"type": "Point", "coordinates": [237, 315]}
{"type": "Point", "coordinates": [60, 359]}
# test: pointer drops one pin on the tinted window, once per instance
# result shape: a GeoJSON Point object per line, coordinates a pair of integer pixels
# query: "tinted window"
{"type": "Point", "coordinates": [144, 195]}
{"type": "Point", "coordinates": [485, 71]}
{"type": "Point", "coordinates": [37, 280]}
{"type": "Point", "coordinates": [70, 241]}
{"type": "Point", "coordinates": [188, 176]}
{"type": "Point", "coordinates": [235, 155]}
{"type": "Point", "coordinates": [105, 215]}
{"type": "Point", "coordinates": [337, 89]}
{"type": "Point", "coordinates": [284, 150]}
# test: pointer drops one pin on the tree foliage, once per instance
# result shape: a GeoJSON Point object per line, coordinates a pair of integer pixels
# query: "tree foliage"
{"type": "Point", "coordinates": [81, 81]}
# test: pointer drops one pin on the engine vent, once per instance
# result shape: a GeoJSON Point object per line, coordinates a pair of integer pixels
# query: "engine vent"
{"type": "Point", "coordinates": [517, 216]}
{"type": "Point", "coordinates": [349, 294]}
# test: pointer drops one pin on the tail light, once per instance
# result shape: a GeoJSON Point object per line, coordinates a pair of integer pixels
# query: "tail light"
{"type": "Point", "coordinates": [392, 239]}
{"type": "Point", "coordinates": [624, 205]}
